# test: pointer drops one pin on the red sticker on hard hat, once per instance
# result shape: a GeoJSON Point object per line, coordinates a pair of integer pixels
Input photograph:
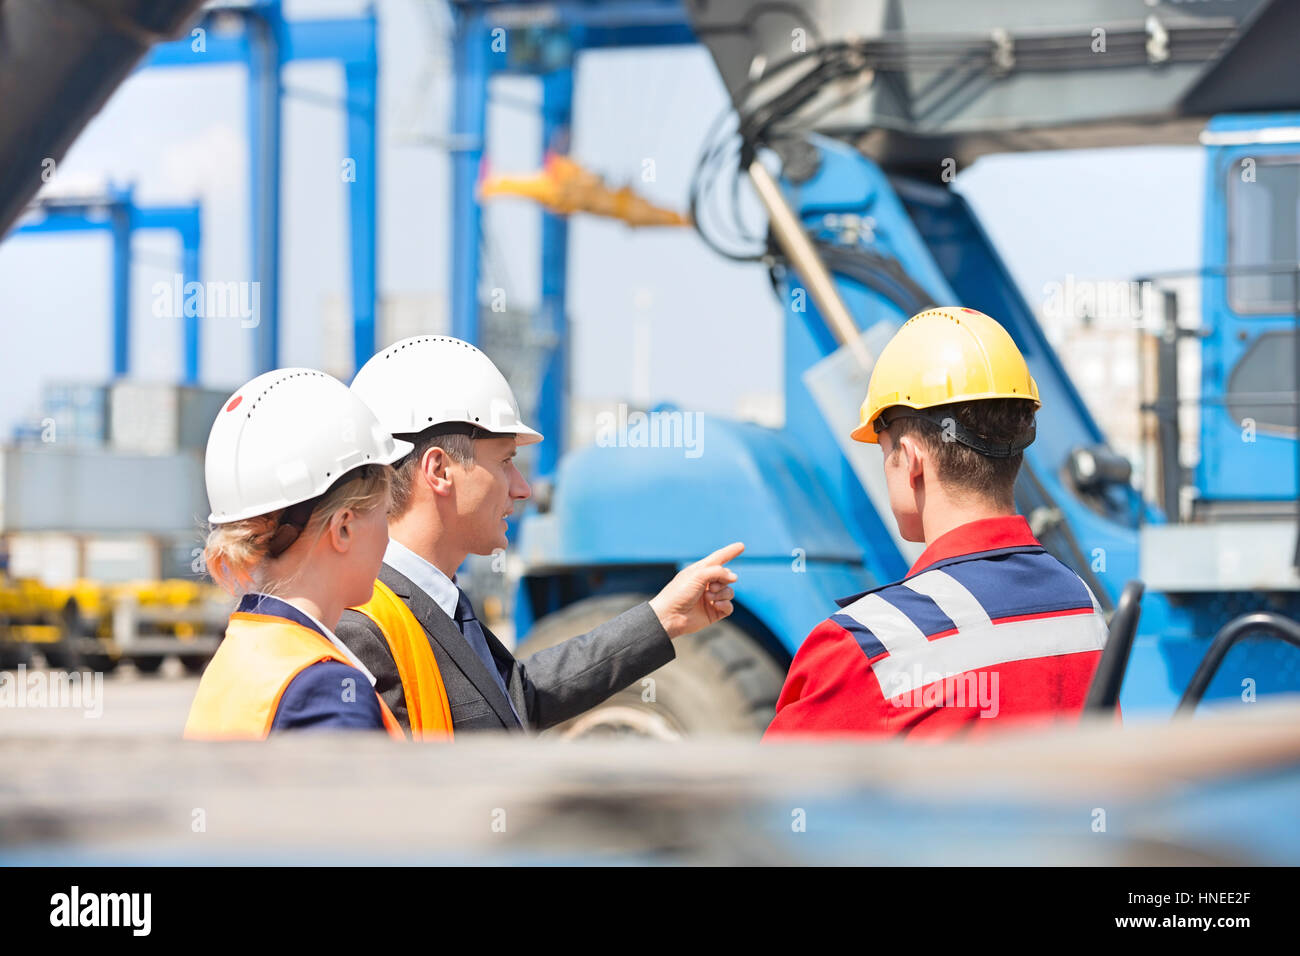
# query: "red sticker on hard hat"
{"type": "Point", "coordinates": [233, 402]}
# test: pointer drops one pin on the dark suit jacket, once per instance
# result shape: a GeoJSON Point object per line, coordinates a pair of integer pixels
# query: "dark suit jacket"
{"type": "Point", "coordinates": [550, 687]}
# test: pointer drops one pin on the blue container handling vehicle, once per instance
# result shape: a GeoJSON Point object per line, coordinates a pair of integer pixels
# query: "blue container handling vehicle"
{"type": "Point", "coordinates": [867, 120]}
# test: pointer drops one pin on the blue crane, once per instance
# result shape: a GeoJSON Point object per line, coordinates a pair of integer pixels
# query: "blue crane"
{"type": "Point", "coordinates": [118, 214]}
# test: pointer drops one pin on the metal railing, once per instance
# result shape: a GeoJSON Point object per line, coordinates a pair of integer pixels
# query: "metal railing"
{"type": "Point", "coordinates": [1261, 622]}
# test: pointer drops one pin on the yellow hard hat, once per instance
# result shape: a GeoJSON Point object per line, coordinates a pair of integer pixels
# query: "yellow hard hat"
{"type": "Point", "coordinates": [945, 355]}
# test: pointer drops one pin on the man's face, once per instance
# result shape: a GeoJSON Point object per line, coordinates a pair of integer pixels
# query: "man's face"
{"type": "Point", "coordinates": [899, 465]}
{"type": "Point", "coordinates": [486, 491]}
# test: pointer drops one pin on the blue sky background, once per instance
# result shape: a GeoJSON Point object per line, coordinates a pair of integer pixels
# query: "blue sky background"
{"type": "Point", "coordinates": [180, 134]}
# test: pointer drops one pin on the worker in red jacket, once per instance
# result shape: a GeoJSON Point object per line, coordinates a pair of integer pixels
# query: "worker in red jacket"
{"type": "Point", "coordinates": [987, 629]}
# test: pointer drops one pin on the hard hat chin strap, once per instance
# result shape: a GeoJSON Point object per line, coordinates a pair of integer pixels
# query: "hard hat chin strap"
{"type": "Point", "coordinates": [960, 433]}
{"type": "Point", "coordinates": [293, 521]}
{"type": "Point", "coordinates": [295, 518]}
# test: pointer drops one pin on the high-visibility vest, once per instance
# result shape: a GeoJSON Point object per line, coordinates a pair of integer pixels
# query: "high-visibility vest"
{"type": "Point", "coordinates": [257, 660]}
{"type": "Point", "coordinates": [427, 707]}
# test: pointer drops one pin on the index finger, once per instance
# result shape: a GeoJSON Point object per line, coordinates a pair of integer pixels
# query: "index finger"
{"type": "Point", "coordinates": [722, 555]}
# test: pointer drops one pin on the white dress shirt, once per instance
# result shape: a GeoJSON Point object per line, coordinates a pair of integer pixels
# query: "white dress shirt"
{"type": "Point", "coordinates": [424, 575]}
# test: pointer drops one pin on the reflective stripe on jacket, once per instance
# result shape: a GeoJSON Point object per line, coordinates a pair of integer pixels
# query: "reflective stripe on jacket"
{"type": "Point", "coordinates": [987, 630]}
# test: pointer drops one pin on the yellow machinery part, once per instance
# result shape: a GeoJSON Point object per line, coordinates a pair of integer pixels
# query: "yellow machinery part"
{"type": "Point", "coordinates": [565, 187]}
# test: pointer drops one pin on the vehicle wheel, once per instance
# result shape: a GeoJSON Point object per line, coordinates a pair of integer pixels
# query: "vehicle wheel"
{"type": "Point", "coordinates": [149, 663]}
{"type": "Point", "coordinates": [78, 637]}
{"type": "Point", "coordinates": [194, 665]}
{"type": "Point", "coordinates": [722, 681]}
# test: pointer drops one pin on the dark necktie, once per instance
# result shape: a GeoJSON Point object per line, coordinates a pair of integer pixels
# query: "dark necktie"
{"type": "Point", "coordinates": [477, 640]}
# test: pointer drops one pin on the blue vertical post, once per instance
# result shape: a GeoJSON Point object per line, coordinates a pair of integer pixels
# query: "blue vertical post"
{"type": "Point", "coordinates": [552, 321]}
{"type": "Point", "coordinates": [120, 211]}
{"type": "Point", "coordinates": [362, 120]}
{"type": "Point", "coordinates": [469, 121]}
{"type": "Point", "coordinates": [191, 271]}
{"type": "Point", "coordinates": [264, 25]}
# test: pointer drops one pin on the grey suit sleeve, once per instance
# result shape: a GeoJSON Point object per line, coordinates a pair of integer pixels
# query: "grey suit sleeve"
{"type": "Point", "coordinates": [561, 682]}
{"type": "Point", "coordinates": [364, 639]}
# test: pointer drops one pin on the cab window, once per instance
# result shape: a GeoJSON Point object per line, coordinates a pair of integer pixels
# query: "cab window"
{"type": "Point", "coordinates": [1264, 231]}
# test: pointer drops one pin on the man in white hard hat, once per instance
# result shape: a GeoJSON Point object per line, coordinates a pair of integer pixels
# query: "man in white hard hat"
{"type": "Point", "coordinates": [436, 665]}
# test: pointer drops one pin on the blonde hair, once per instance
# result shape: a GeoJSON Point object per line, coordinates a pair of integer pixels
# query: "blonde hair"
{"type": "Point", "coordinates": [238, 554]}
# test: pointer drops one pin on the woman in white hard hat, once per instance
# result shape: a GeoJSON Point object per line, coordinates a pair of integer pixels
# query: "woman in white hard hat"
{"type": "Point", "coordinates": [297, 480]}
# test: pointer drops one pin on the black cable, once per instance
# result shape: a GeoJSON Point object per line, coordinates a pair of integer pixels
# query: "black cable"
{"type": "Point", "coordinates": [881, 274]}
{"type": "Point", "coordinates": [751, 127]}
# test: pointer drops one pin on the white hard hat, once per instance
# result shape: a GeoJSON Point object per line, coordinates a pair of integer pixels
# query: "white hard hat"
{"type": "Point", "coordinates": [284, 438]}
{"type": "Point", "coordinates": [433, 379]}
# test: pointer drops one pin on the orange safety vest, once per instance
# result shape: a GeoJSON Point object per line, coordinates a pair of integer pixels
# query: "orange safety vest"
{"type": "Point", "coordinates": [426, 696]}
{"type": "Point", "coordinates": [242, 685]}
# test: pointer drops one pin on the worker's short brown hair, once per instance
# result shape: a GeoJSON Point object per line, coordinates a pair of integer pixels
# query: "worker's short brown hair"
{"type": "Point", "coordinates": [455, 438]}
{"type": "Point", "coordinates": [961, 467]}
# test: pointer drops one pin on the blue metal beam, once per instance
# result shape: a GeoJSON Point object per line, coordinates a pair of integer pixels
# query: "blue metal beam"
{"type": "Point", "coordinates": [264, 41]}
{"type": "Point", "coordinates": [218, 48]}
{"type": "Point", "coordinates": [118, 214]}
{"type": "Point", "coordinates": [363, 150]}
{"type": "Point", "coordinates": [667, 34]}
{"type": "Point", "coordinates": [473, 65]}
{"type": "Point", "coordinates": [120, 227]}
{"type": "Point", "coordinates": [186, 221]}
{"type": "Point", "coordinates": [350, 40]}
{"type": "Point", "coordinates": [552, 319]}
{"type": "Point", "coordinates": [570, 14]}
{"type": "Point", "coordinates": [265, 129]}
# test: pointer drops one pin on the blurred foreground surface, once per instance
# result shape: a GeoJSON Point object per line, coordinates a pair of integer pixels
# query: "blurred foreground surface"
{"type": "Point", "coordinates": [122, 789]}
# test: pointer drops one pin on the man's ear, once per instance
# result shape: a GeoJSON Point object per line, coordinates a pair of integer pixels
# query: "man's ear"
{"type": "Point", "coordinates": [915, 457]}
{"type": "Point", "coordinates": [435, 467]}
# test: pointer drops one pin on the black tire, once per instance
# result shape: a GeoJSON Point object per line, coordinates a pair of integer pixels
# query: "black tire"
{"type": "Point", "coordinates": [722, 681]}
{"type": "Point", "coordinates": [194, 665]}
{"type": "Point", "coordinates": [148, 663]}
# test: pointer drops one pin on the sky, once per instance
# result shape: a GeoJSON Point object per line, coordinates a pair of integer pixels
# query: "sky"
{"type": "Point", "coordinates": [712, 327]}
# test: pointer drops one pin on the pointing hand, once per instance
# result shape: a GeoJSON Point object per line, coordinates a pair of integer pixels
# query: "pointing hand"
{"type": "Point", "coordinates": [699, 595]}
